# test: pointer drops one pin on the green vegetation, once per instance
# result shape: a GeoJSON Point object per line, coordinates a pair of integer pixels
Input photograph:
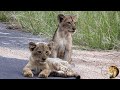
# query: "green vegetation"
{"type": "Point", "coordinates": [95, 29]}
{"type": "Point", "coordinates": [3, 16]}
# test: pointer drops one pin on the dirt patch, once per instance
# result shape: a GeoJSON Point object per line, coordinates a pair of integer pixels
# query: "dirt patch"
{"type": "Point", "coordinates": [94, 64]}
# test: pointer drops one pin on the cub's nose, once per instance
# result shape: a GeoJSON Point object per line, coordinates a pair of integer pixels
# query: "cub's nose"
{"type": "Point", "coordinates": [43, 59]}
{"type": "Point", "coordinates": [74, 28]}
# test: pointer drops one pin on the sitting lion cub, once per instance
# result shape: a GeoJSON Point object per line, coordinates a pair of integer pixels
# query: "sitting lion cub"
{"type": "Point", "coordinates": [40, 63]}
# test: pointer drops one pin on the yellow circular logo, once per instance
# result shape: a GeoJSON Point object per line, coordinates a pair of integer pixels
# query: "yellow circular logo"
{"type": "Point", "coordinates": [110, 71]}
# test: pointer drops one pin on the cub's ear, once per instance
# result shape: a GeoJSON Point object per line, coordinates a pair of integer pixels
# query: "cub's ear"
{"type": "Point", "coordinates": [60, 17]}
{"type": "Point", "coordinates": [51, 45]}
{"type": "Point", "coordinates": [32, 46]}
{"type": "Point", "coordinates": [74, 18]}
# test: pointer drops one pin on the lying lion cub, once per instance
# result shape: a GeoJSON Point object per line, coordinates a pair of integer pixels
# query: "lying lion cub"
{"type": "Point", "coordinates": [40, 63]}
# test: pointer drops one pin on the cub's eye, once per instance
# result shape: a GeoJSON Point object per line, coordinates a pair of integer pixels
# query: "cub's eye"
{"type": "Point", "coordinates": [39, 52]}
{"type": "Point", "coordinates": [68, 22]}
{"type": "Point", "coordinates": [46, 52]}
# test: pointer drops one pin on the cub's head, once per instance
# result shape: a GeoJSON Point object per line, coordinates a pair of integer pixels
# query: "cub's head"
{"type": "Point", "coordinates": [40, 52]}
{"type": "Point", "coordinates": [67, 23]}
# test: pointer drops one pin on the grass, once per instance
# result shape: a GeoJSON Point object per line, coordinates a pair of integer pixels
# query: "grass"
{"type": "Point", "coordinates": [3, 16]}
{"type": "Point", "coordinates": [95, 29]}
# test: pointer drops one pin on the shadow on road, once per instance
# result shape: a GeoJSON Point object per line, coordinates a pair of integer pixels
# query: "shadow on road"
{"type": "Point", "coordinates": [11, 68]}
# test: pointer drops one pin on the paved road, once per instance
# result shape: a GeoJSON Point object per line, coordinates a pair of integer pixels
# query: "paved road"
{"type": "Point", "coordinates": [14, 52]}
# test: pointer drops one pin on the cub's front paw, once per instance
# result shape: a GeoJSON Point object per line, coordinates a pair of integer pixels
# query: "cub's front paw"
{"type": "Point", "coordinates": [28, 74]}
{"type": "Point", "coordinates": [42, 75]}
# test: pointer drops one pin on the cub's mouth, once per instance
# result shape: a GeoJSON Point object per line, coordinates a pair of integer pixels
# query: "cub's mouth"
{"type": "Point", "coordinates": [41, 61]}
{"type": "Point", "coordinates": [72, 31]}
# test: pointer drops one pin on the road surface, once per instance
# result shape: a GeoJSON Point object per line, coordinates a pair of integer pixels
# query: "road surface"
{"type": "Point", "coordinates": [14, 52]}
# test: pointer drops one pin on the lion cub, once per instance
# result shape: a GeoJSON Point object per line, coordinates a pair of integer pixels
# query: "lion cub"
{"type": "Point", "coordinates": [40, 63]}
{"type": "Point", "coordinates": [63, 37]}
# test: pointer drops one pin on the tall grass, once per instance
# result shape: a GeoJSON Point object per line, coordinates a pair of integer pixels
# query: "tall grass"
{"type": "Point", "coordinates": [3, 16]}
{"type": "Point", "coordinates": [95, 29]}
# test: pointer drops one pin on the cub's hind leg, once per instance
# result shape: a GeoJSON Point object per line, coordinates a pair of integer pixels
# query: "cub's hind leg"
{"type": "Point", "coordinates": [64, 74]}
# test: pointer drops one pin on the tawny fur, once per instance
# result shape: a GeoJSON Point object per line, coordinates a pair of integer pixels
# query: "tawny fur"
{"type": "Point", "coordinates": [40, 63]}
{"type": "Point", "coordinates": [62, 38]}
